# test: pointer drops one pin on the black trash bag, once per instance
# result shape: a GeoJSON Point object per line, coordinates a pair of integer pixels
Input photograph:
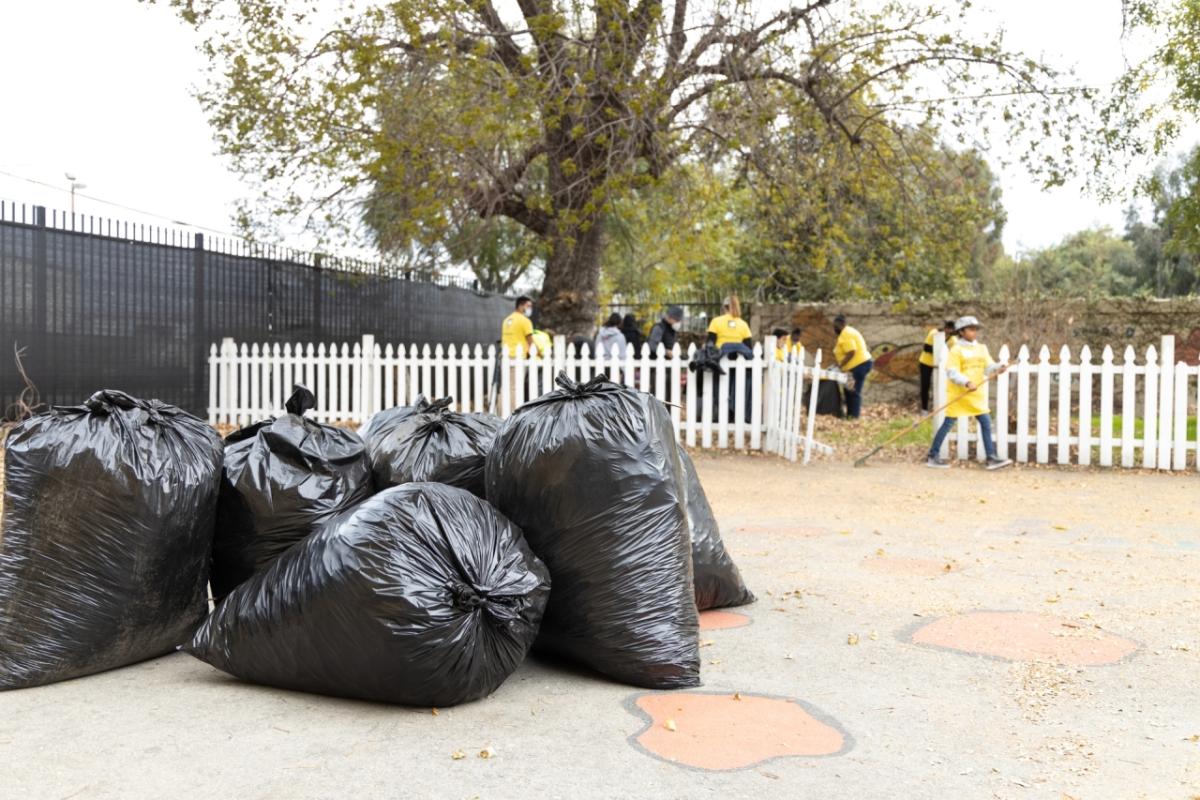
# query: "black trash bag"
{"type": "Point", "coordinates": [283, 478]}
{"type": "Point", "coordinates": [429, 442]}
{"type": "Point", "coordinates": [591, 474]}
{"type": "Point", "coordinates": [106, 535]}
{"type": "Point", "coordinates": [422, 595]}
{"type": "Point", "coordinates": [717, 579]}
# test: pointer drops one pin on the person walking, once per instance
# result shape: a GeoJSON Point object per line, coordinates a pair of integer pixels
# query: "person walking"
{"type": "Point", "coordinates": [926, 363]}
{"type": "Point", "coordinates": [665, 331]}
{"type": "Point", "coordinates": [729, 327]}
{"type": "Point", "coordinates": [852, 357]}
{"type": "Point", "coordinates": [610, 338]}
{"type": "Point", "coordinates": [967, 366]}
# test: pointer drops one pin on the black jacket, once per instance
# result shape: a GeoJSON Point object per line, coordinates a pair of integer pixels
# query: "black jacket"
{"type": "Point", "coordinates": [661, 332]}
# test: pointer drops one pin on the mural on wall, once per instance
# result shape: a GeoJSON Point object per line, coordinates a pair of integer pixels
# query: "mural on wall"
{"type": "Point", "coordinates": [897, 362]}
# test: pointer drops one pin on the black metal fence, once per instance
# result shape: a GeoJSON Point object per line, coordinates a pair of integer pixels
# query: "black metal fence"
{"type": "Point", "coordinates": [94, 303]}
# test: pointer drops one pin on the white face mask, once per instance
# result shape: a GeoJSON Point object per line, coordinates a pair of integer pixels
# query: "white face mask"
{"type": "Point", "coordinates": [674, 326]}
{"type": "Point", "coordinates": [527, 311]}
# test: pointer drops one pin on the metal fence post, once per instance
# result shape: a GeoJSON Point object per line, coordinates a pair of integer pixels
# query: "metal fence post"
{"type": "Point", "coordinates": [41, 270]}
{"type": "Point", "coordinates": [200, 341]}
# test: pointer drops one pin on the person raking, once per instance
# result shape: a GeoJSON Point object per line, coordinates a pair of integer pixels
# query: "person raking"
{"type": "Point", "coordinates": [967, 366]}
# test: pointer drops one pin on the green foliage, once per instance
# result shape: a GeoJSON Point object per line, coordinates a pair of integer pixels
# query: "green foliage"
{"type": "Point", "coordinates": [924, 222]}
{"type": "Point", "coordinates": [1139, 119]}
{"type": "Point", "coordinates": [572, 119]}
{"type": "Point", "coordinates": [1090, 263]}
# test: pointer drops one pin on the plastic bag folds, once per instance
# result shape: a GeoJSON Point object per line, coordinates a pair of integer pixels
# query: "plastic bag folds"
{"type": "Point", "coordinates": [422, 595]}
{"type": "Point", "coordinates": [283, 478]}
{"type": "Point", "coordinates": [429, 442]}
{"type": "Point", "coordinates": [105, 539]}
{"type": "Point", "coordinates": [591, 474]}
{"type": "Point", "coordinates": [717, 579]}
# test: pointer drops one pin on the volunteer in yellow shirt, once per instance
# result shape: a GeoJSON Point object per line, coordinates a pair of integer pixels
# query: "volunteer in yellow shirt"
{"type": "Point", "coordinates": [729, 328]}
{"type": "Point", "coordinates": [788, 346]}
{"type": "Point", "coordinates": [783, 346]}
{"type": "Point", "coordinates": [926, 363]}
{"type": "Point", "coordinates": [852, 356]}
{"type": "Point", "coordinates": [968, 365]}
{"type": "Point", "coordinates": [516, 332]}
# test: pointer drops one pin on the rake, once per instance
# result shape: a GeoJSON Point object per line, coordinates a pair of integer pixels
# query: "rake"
{"type": "Point", "coordinates": [862, 462]}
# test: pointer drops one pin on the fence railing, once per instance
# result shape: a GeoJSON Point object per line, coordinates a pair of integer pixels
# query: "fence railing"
{"type": "Point", "coordinates": [758, 403]}
{"type": "Point", "coordinates": [1066, 410]}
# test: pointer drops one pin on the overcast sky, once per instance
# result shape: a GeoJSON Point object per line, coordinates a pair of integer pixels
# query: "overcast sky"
{"type": "Point", "coordinates": [101, 89]}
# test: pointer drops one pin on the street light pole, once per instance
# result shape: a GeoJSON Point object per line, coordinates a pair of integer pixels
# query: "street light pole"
{"type": "Point", "coordinates": [74, 185]}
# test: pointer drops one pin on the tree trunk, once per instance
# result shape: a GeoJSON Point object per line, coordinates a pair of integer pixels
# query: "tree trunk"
{"type": "Point", "coordinates": [569, 304]}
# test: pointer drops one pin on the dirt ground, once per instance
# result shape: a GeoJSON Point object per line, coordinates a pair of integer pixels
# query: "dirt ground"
{"type": "Point", "coordinates": [849, 567]}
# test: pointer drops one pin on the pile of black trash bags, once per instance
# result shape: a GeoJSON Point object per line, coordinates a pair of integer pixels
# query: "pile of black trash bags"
{"type": "Point", "coordinates": [418, 563]}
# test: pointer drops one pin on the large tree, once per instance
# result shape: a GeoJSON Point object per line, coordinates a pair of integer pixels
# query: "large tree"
{"type": "Point", "coordinates": [551, 112]}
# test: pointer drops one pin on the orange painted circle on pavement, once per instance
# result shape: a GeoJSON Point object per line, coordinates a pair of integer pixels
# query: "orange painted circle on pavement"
{"type": "Point", "coordinates": [719, 732]}
{"type": "Point", "coordinates": [720, 620]}
{"type": "Point", "coordinates": [1019, 636]}
{"type": "Point", "coordinates": [920, 567]}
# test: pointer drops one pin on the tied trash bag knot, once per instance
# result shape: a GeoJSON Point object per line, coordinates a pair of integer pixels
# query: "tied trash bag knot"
{"type": "Point", "coordinates": [465, 597]}
{"type": "Point", "coordinates": [468, 598]}
{"type": "Point", "coordinates": [581, 388]}
{"type": "Point", "coordinates": [301, 399]}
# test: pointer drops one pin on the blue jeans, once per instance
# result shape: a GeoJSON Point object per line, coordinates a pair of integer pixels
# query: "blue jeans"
{"type": "Point", "coordinates": [854, 398]}
{"type": "Point", "coordinates": [985, 428]}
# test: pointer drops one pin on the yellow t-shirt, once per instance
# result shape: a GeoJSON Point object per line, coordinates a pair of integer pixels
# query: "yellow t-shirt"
{"type": "Point", "coordinates": [972, 360]}
{"type": "Point", "coordinates": [927, 351]}
{"type": "Point", "coordinates": [729, 329]}
{"type": "Point", "coordinates": [851, 340]}
{"type": "Point", "coordinates": [513, 332]}
{"type": "Point", "coordinates": [782, 352]}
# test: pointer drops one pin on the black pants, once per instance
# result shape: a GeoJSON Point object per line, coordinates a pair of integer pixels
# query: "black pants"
{"type": "Point", "coordinates": [926, 385]}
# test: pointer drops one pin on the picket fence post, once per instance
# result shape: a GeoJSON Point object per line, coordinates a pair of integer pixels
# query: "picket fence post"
{"type": "Point", "coordinates": [1023, 404]}
{"type": "Point", "coordinates": [1106, 406]}
{"type": "Point", "coordinates": [1063, 449]}
{"type": "Point", "coordinates": [1128, 404]}
{"type": "Point", "coordinates": [1150, 411]}
{"type": "Point", "coordinates": [1166, 402]}
{"type": "Point", "coordinates": [1085, 406]}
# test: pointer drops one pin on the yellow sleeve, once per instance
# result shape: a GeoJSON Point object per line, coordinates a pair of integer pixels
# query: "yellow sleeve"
{"type": "Point", "coordinates": [744, 329]}
{"type": "Point", "coordinates": [712, 326]}
{"type": "Point", "coordinates": [929, 336]}
{"type": "Point", "coordinates": [525, 326]}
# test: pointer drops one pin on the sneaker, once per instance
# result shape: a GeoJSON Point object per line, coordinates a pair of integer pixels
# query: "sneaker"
{"type": "Point", "coordinates": [933, 462]}
{"type": "Point", "coordinates": [998, 463]}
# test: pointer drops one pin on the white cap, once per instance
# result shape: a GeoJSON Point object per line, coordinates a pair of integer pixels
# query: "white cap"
{"type": "Point", "coordinates": [966, 322]}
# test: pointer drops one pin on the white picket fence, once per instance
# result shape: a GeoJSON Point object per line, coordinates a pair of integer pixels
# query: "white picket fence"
{"type": "Point", "coordinates": [249, 382]}
{"type": "Point", "coordinates": [1056, 402]}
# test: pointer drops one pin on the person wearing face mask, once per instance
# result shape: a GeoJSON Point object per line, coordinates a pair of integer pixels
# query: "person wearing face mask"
{"type": "Point", "coordinates": [516, 332]}
{"type": "Point", "coordinates": [516, 340]}
{"type": "Point", "coordinates": [665, 331]}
